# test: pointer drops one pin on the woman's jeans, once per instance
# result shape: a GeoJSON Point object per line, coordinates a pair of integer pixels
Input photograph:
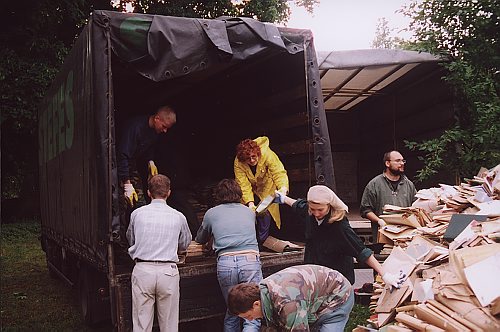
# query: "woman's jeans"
{"type": "Point", "coordinates": [233, 270]}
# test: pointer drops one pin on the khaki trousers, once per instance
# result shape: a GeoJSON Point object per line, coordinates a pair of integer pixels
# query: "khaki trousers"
{"type": "Point", "coordinates": [155, 282]}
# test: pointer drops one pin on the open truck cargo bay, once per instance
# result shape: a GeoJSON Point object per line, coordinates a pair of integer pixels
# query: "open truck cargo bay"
{"type": "Point", "coordinates": [228, 79]}
{"type": "Point", "coordinates": [375, 99]}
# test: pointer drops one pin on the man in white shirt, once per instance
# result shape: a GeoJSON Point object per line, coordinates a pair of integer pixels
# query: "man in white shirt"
{"type": "Point", "coordinates": [155, 234]}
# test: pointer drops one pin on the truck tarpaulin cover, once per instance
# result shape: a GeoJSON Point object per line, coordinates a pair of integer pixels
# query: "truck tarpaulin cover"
{"type": "Point", "coordinates": [162, 47]}
{"type": "Point", "coordinates": [79, 185]}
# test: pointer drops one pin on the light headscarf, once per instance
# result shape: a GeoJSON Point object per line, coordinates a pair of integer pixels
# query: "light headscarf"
{"type": "Point", "coordinates": [324, 195]}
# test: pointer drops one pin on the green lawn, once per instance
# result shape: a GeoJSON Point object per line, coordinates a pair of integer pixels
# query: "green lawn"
{"type": "Point", "coordinates": [32, 301]}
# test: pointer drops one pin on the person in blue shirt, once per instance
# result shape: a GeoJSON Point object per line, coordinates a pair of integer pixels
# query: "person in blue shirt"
{"type": "Point", "coordinates": [232, 225]}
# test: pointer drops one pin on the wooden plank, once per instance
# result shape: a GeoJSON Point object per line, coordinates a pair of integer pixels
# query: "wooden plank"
{"type": "Point", "coordinates": [276, 98]}
{"type": "Point", "coordinates": [293, 148]}
{"type": "Point", "coordinates": [291, 121]}
{"type": "Point", "coordinates": [201, 297]}
{"type": "Point", "coordinates": [300, 175]}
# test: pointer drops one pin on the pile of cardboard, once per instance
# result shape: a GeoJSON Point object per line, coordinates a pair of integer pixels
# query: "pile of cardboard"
{"type": "Point", "coordinates": [278, 245]}
{"type": "Point", "coordinates": [402, 224]}
{"type": "Point", "coordinates": [446, 246]}
{"type": "Point", "coordinates": [479, 195]}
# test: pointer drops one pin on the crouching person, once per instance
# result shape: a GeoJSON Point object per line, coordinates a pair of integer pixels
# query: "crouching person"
{"type": "Point", "coordinates": [298, 298]}
{"type": "Point", "coordinates": [155, 234]}
{"type": "Point", "coordinates": [232, 226]}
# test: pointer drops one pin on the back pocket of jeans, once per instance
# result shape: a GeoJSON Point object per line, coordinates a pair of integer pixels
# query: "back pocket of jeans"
{"type": "Point", "coordinates": [224, 277]}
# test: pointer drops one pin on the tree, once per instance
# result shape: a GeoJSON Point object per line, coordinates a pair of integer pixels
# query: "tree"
{"type": "Point", "coordinates": [466, 33]}
{"type": "Point", "coordinates": [36, 35]}
{"type": "Point", "coordinates": [383, 38]}
{"type": "Point", "coordinates": [262, 10]}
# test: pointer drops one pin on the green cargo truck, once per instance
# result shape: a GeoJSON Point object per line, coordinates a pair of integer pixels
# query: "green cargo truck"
{"type": "Point", "coordinates": [228, 79]}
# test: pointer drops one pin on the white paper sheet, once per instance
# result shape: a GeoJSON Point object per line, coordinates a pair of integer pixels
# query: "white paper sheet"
{"type": "Point", "coordinates": [483, 279]}
{"type": "Point", "coordinates": [399, 260]}
{"type": "Point", "coordinates": [422, 290]}
{"type": "Point", "coordinates": [491, 208]}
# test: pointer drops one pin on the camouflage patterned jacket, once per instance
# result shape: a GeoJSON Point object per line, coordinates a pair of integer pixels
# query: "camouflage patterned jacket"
{"type": "Point", "coordinates": [294, 298]}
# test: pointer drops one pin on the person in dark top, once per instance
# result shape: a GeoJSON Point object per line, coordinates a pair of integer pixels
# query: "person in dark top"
{"type": "Point", "coordinates": [135, 142]}
{"type": "Point", "coordinates": [390, 187]}
{"type": "Point", "coordinates": [330, 240]}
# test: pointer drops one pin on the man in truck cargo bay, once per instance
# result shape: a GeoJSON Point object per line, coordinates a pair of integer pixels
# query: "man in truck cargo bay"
{"type": "Point", "coordinates": [156, 234]}
{"type": "Point", "coordinates": [135, 142]}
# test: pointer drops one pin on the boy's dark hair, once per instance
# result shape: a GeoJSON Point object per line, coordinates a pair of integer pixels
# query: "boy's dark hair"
{"type": "Point", "coordinates": [159, 186]}
{"type": "Point", "coordinates": [242, 296]}
{"type": "Point", "coordinates": [227, 191]}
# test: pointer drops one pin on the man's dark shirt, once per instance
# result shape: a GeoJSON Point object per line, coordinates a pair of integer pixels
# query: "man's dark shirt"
{"type": "Point", "coordinates": [136, 140]}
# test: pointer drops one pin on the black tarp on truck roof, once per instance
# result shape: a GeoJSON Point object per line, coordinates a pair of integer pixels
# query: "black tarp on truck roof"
{"type": "Point", "coordinates": [228, 79]}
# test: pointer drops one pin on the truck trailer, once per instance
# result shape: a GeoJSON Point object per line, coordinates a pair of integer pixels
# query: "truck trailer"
{"type": "Point", "coordinates": [228, 79]}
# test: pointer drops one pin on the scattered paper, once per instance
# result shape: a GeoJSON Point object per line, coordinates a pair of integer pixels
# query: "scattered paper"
{"type": "Point", "coordinates": [490, 209]}
{"type": "Point", "coordinates": [422, 290]}
{"type": "Point", "coordinates": [399, 260]}
{"type": "Point", "coordinates": [466, 235]}
{"type": "Point", "coordinates": [483, 279]}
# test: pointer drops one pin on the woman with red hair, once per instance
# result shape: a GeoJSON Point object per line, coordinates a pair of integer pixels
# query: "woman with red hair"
{"type": "Point", "coordinates": [259, 172]}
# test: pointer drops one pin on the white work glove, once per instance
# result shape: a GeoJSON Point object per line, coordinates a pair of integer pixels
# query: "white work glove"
{"type": "Point", "coordinates": [279, 197]}
{"type": "Point", "coordinates": [130, 194]}
{"type": "Point", "coordinates": [381, 222]}
{"type": "Point", "coordinates": [393, 280]}
{"type": "Point", "coordinates": [153, 170]}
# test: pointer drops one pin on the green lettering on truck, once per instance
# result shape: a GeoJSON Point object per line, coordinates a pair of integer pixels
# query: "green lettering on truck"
{"type": "Point", "coordinates": [57, 122]}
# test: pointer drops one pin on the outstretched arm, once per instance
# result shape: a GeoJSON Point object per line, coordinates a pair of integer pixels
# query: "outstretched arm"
{"type": "Point", "coordinates": [281, 198]}
{"type": "Point", "coordinates": [390, 279]}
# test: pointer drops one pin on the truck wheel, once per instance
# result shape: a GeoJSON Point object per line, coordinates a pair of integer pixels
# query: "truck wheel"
{"type": "Point", "coordinates": [93, 309]}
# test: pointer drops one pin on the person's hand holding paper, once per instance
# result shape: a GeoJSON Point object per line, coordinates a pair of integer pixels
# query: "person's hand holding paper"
{"type": "Point", "coordinates": [393, 280]}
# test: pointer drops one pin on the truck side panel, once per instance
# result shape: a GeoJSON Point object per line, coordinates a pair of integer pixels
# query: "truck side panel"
{"type": "Point", "coordinates": [70, 166]}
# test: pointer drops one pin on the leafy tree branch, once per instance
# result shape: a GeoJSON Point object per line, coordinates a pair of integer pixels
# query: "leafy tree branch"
{"type": "Point", "coordinates": [466, 33]}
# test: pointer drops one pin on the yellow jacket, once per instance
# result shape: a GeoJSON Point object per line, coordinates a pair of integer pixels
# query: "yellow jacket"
{"type": "Point", "coordinates": [270, 175]}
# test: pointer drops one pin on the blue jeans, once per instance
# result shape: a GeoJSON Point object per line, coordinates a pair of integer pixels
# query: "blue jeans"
{"type": "Point", "coordinates": [335, 321]}
{"type": "Point", "coordinates": [233, 270]}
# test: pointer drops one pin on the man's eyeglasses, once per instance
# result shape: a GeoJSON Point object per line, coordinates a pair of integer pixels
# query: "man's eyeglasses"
{"type": "Point", "coordinates": [399, 161]}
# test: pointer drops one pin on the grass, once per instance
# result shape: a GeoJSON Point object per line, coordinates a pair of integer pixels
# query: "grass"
{"type": "Point", "coordinates": [32, 301]}
{"type": "Point", "coordinates": [358, 316]}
